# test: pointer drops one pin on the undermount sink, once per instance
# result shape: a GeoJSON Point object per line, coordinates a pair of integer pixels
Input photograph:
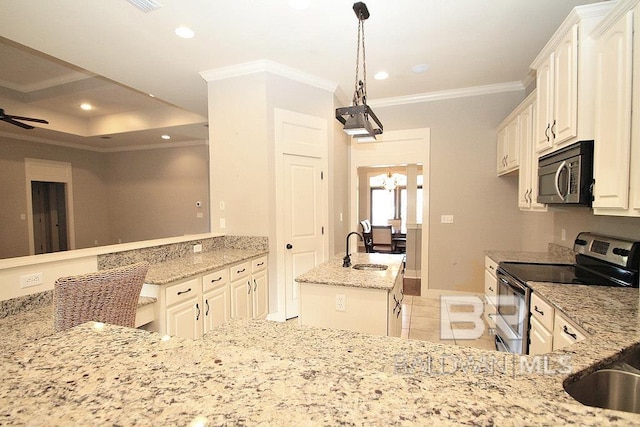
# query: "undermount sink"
{"type": "Point", "coordinates": [615, 386]}
{"type": "Point", "coordinates": [371, 267]}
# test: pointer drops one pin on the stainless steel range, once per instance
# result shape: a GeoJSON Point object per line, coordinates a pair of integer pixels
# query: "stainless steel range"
{"type": "Point", "coordinates": [600, 261]}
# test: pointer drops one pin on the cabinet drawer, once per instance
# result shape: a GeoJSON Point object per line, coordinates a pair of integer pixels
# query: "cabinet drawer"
{"type": "Point", "coordinates": [490, 265]}
{"type": "Point", "coordinates": [240, 270]}
{"type": "Point", "coordinates": [215, 279]}
{"type": "Point", "coordinates": [182, 291]}
{"type": "Point", "coordinates": [258, 264]}
{"type": "Point", "coordinates": [565, 333]}
{"type": "Point", "coordinates": [543, 311]}
{"type": "Point", "coordinates": [490, 287]}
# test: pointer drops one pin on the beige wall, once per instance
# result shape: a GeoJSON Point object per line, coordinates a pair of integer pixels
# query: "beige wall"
{"type": "Point", "coordinates": [135, 195]}
{"type": "Point", "coordinates": [153, 193]}
{"type": "Point", "coordinates": [577, 219]}
{"type": "Point", "coordinates": [463, 183]}
{"type": "Point", "coordinates": [90, 208]}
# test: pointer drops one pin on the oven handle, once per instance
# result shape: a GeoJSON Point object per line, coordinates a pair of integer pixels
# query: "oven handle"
{"type": "Point", "coordinates": [512, 283]}
{"type": "Point", "coordinates": [558, 172]}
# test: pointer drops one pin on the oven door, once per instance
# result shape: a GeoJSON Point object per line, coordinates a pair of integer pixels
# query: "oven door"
{"type": "Point", "coordinates": [512, 321]}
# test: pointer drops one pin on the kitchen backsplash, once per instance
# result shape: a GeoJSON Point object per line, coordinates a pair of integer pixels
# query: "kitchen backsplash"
{"type": "Point", "coordinates": [168, 252]}
{"type": "Point", "coordinates": [562, 253]}
{"type": "Point", "coordinates": [25, 303]}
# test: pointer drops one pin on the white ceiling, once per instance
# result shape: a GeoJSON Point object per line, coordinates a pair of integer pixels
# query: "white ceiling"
{"type": "Point", "coordinates": [466, 43]}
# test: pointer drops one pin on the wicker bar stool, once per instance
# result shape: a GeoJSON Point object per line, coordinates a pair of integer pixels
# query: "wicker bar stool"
{"type": "Point", "coordinates": [109, 296]}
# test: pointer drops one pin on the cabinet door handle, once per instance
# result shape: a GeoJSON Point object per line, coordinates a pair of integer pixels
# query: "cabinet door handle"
{"type": "Point", "coordinates": [197, 312]}
{"type": "Point", "coordinates": [206, 302]}
{"type": "Point", "coordinates": [255, 285]}
{"type": "Point", "coordinates": [535, 307]}
{"type": "Point", "coordinates": [571, 334]}
{"type": "Point", "coordinates": [490, 288]}
{"type": "Point", "coordinates": [248, 287]}
{"type": "Point", "coordinates": [260, 264]}
{"type": "Point", "coordinates": [553, 129]}
{"type": "Point", "coordinates": [546, 132]}
{"type": "Point", "coordinates": [184, 292]}
{"type": "Point", "coordinates": [216, 280]}
{"type": "Point", "coordinates": [241, 271]}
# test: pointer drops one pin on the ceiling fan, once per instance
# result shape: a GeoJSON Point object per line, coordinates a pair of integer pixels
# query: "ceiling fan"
{"type": "Point", "coordinates": [14, 120]}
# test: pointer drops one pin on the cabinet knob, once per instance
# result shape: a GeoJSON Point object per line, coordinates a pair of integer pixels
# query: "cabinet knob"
{"type": "Point", "coordinates": [289, 246]}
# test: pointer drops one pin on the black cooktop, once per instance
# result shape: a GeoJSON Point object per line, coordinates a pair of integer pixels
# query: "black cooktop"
{"type": "Point", "coordinates": [602, 275]}
{"type": "Point", "coordinates": [528, 272]}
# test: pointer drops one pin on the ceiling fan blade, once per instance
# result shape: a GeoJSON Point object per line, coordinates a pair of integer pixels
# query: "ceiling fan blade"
{"type": "Point", "coordinates": [16, 123]}
{"type": "Point", "coordinates": [29, 119]}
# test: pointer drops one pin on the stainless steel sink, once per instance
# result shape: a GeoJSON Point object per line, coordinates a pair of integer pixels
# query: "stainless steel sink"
{"type": "Point", "coordinates": [372, 267]}
{"type": "Point", "coordinates": [615, 386]}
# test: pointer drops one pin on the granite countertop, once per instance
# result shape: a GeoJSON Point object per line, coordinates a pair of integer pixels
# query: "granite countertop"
{"type": "Point", "coordinates": [333, 273]}
{"type": "Point", "coordinates": [260, 372]}
{"type": "Point", "coordinates": [176, 269]}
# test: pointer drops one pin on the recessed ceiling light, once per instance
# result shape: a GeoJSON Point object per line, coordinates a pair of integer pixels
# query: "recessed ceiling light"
{"type": "Point", "coordinates": [381, 75]}
{"type": "Point", "coordinates": [165, 137]}
{"type": "Point", "coordinates": [299, 4]}
{"type": "Point", "coordinates": [185, 33]}
{"type": "Point", "coordinates": [420, 68]}
{"type": "Point", "coordinates": [86, 107]}
{"type": "Point", "coordinates": [152, 95]}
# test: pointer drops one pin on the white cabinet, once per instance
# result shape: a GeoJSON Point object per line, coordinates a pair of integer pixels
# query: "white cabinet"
{"type": "Point", "coordinates": [548, 329]}
{"type": "Point", "coordinates": [565, 333]}
{"type": "Point", "coordinates": [216, 299]}
{"type": "Point", "coordinates": [260, 291]}
{"type": "Point", "coordinates": [184, 309]}
{"type": "Point", "coordinates": [540, 339]}
{"type": "Point", "coordinates": [249, 289]}
{"type": "Point", "coordinates": [565, 83]}
{"type": "Point", "coordinates": [508, 147]}
{"type": "Point", "coordinates": [616, 163]}
{"type": "Point", "coordinates": [193, 307]}
{"type": "Point", "coordinates": [490, 291]}
{"type": "Point", "coordinates": [528, 173]}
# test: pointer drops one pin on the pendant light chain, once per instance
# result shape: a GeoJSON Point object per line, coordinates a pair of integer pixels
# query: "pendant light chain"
{"type": "Point", "coordinates": [360, 90]}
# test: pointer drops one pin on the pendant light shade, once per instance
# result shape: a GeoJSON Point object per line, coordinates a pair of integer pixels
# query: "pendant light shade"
{"type": "Point", "coordinates": [359, 120]}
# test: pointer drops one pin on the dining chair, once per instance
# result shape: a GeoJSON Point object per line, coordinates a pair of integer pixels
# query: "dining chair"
{"type": "Point", "coordinates": [382, 238]}
{"type": "Point", "coordinates": [366, 235]}
{"type": "Point", "coordinates": [109, 296]}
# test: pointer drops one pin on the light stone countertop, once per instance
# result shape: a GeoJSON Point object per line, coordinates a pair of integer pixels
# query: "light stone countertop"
{"type": "Point", "coordinates": [176, 269]}
{"type": "Point", "coordinates": [333, 273]}
{"type": "Point", "coordinates": [260, 372]}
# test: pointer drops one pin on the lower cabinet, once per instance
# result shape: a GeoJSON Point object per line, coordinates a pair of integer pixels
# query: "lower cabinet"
{"type": "Point", "coordinates": [250, 289]}
{"type": "Point", "coordinates": [490, 291]}
{"type": "Point", "coordinates": [550, 330]}
{"type": "Point", "coordinates": [193, 307]}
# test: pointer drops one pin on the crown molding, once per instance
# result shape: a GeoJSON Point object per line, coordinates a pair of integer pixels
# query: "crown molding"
{"type": "Point", "coordinates": [265, 65]}
{"type": "Point", "coordinates": [102, 149]}
{"type": "Point", "coordinates": [620, 9]}
{"type": "Point", "coordinates": [448, 94]}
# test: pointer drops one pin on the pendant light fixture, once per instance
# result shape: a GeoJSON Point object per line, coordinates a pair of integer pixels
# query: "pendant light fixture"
{"type": "Point", "coordinates": [357, 119]}
{"type": "Point", "coordinates": [390, 182]}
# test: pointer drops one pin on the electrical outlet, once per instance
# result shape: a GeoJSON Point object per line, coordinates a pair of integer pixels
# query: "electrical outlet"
{"type": "Point", "coordinates": [446, 219]}
{"type": "Point", "coordinates": [34, 279]}
{"type": "Point", "coordinates": [221, 205]}
{"type": "Point", "coordinates": [223, 223]}
{"type": "Point", "coordinates": [341, 302]}
{"type": "Point", "coordinates": [563, 234]}
{"type": "Point", "coordinates": [197, 248]}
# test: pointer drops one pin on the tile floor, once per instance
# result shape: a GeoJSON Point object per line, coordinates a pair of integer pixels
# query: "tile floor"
{"type": "Point", "coordinates": [422, 315]}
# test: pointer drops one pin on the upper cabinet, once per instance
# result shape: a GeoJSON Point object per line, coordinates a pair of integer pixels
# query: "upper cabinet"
{"type": "Point", "coordinates": [565, 81]}
{"type": "Point", "coordinates": [528, 174]}
{"type": "Point", "coordinates": [508, 148]}
{"type": "Point", "coordinates": [617, 138]}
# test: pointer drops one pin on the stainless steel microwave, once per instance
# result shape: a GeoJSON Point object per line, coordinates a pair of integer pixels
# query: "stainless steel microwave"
{"type": "Point", "coordinates": [566, 176]}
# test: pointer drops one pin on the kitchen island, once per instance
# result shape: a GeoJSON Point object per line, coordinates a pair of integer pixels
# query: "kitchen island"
{"type": "Point", "coordinates": [370, 301]}
{"type": "Point", "coordinates": [259, 372]}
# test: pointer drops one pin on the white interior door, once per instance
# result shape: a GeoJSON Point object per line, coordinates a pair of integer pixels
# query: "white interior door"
{"type": "Point", "coordinates": [303, 222]}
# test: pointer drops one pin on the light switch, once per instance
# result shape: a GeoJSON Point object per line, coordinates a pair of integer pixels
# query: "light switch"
{"type": "Point", "coordinates": [446, 219]}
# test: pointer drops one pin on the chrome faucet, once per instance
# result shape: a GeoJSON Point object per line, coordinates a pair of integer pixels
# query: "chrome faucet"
{"type": "Point", "coordinates": [346, 261]}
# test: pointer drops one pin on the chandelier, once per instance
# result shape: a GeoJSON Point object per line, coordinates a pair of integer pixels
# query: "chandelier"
{"type": "Point", "coordinates": [357, 118]}
{"type": "Point", "coordinates": [390, 182]}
